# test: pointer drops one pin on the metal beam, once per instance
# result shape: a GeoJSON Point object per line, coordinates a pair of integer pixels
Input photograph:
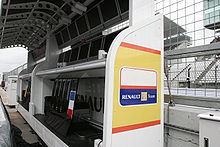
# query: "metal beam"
{"type": "Point", "coordinates": [36, 14]}
{"type": "Point", "coordinates": [38, 5]}
{"type": "Point", "coordinates": [203, 50]}
{"type": "Point", "coordinates": [4, 23]}
{"type": "Point", "coordinates": [52, 26]}
{"type": "Point", "coordinates": [32, 21]}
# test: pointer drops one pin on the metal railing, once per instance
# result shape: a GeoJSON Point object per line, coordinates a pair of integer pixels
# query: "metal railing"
{"type": "Point", "coordinates": [193, 73]}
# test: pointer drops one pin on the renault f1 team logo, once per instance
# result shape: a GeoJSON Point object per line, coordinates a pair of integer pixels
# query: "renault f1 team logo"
{"type": "Point", "coordinates": [137, 86]}
{"type": "Point", "coordinates": [143, 96]}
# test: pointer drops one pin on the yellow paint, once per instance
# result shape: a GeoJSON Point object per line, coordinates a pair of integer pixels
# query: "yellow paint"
{"type": "Point", "coordinates": [123, 116]}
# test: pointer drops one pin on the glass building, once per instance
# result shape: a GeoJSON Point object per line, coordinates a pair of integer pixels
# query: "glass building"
{"type": "Point", "coordinates": [212, 13]}
{"type": "Point", "coordinates": [192, 16]}
{"type": "Point", "coordinates": [192, 24]}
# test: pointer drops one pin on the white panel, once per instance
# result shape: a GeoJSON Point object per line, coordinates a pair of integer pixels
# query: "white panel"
{"type": "Point", "coordinates": [209, 129]}
{"type": "Point", "coordinates": [138, 77]}
{"type": "Point", "coordinates": [147, 37]}
{"type": "Point", "coordinates": [93, 87]}
{"type": "Point", "coordinates": [140, 10]}
{"type": "Point", "coordinates": [149, 136]}
{"type": "Point", "coordinates": [149, 34]}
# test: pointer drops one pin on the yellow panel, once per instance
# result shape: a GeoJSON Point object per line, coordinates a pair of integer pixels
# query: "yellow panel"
{"type": "Point", "coordinates": [137, 114]}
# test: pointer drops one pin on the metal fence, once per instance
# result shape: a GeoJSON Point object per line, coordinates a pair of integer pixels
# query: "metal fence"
{"type": "Point", "coordinates": [193, 74]}
{"type": "Point", "coordinates": [191, 49]}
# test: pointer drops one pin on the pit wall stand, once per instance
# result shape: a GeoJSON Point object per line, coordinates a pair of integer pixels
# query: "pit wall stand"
{"type": "Point", "coordinates": [133, 113]}
{"type": "Point", "coordinates": [41, 87]}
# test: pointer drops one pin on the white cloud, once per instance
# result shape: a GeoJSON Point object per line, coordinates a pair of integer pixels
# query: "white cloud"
{"type": "Point", "coordinates": [12, 58]}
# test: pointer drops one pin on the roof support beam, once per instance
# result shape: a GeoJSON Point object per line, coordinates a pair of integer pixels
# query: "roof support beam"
{"type": "Point", "coordinates": [4, 23]}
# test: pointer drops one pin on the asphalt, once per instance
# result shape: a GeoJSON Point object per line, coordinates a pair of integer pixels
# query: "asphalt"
{"type": "Point", "coordinates": [17, 120]}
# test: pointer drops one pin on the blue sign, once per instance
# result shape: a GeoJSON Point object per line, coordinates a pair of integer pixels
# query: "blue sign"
{"type": "Point", "coordinates": [130, 97]}
{"type": "Point", "coordinates": [72, 95]}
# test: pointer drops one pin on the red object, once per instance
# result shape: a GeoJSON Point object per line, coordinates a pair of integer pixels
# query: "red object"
{"type": "Point", "coordinates": [70, 113]}
{"type": "Point", "coordinates": [135, 126]}
{"type": "Point", "coordinates": [140, 48]}
{"type": "Point", "coordinates": [83, 40]}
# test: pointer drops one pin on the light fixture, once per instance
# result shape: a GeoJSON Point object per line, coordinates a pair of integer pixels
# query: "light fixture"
{"type": "Point", "coordinates": [81, 7]}
{"type": "Point", "coordinates": [74, 9]}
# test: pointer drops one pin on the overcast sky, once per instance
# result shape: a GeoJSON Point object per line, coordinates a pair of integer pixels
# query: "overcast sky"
{"type": "Point", "coordinates": [11, 58]}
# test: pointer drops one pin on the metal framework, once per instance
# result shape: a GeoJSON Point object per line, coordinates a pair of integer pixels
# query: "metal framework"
{"type": "Point", "coordinates": [28, 22]}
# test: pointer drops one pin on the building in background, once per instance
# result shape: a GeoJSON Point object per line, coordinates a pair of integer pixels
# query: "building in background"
{"type": "Point", "coordinates": [197, 26]}
{"type": "Point", "coordinates": [212, 14]}
{"type": "Point", "coordinates": [194, 16]}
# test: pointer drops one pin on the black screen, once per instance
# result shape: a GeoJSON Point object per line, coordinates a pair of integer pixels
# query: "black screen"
{"type": "Point", "coordinates": [84, 51]}
{"type": "Point", "coordinates": [61, 88]}
{"type": "Point", "coordinates": [109, 10]}
{"type": "Point", "coordinates": [124, 5]}
{"type": "Point", "coordinates": [93, 17]}
{"type": "Point", "coordinates": [95, 47]}
{"type": "Point", "coordinates": [61, 56]}
{"type": "Point", "coordinates": [65, 35]}
{"type": "Point", "coordinates": [72, 30]}
{"type": "Point", "coordinates": [74, 54]}
{"type": "Point", "coordinates": [81, 24]}
{"type": "Point", "coordinates": [57, 88]}
{"type": "Point", "coordinates": [59, 39]}
{"type": "Point", "coordinates": [54, 88]}
{"type": "Point", "coordinates": [67, 56]}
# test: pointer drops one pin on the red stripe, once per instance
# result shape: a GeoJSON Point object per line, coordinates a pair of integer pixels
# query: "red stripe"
{"type": "Point", "coordinates": [134, 127]}
{"type": "Point", "coordinates": [140, 48]}
{"type": "Point", "coordinates": [70, 113]}
{"type": "Point", "coordinates": [138, 87]}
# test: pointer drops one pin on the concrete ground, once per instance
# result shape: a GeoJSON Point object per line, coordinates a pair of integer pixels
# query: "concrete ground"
{"type": "Point", "coordinates": [17, 120]}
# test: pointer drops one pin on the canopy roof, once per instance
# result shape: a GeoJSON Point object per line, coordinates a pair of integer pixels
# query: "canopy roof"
{"type": "Point", "coordinates": [26, 22]}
